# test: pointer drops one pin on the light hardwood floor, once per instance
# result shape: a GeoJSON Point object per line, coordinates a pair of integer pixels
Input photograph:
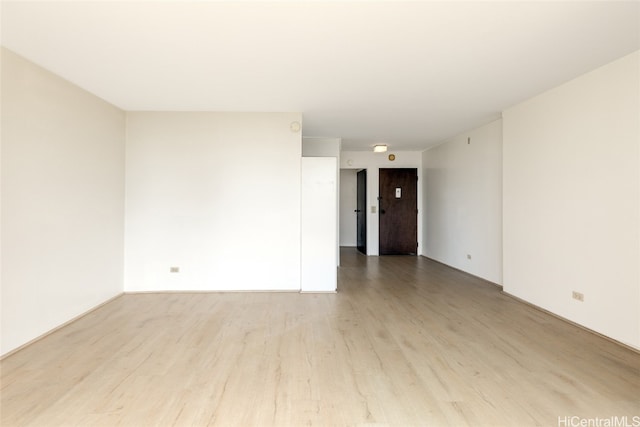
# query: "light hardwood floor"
{"type": "Point", "coordinates": [405, 341]}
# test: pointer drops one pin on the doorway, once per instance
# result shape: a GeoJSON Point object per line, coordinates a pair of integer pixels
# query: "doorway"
{"type": "Point", "coordinates": [361, 212]}
{"type": "Point", "coordinates": [398, 211]}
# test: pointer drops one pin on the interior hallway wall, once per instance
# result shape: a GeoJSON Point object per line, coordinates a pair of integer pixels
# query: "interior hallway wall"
{"type": "Point", "coordinates": [348, 205]}
{"type": "Point", "coordinates": [373, 162]}
{"type": "Point", "coordinates": [463, 202]}
{"type": "Point", "coordinates": [572, 200]}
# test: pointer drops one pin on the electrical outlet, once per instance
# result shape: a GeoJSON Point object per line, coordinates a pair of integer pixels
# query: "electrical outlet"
{"type": "Point", "coordinates": [468, 256]}
{"type": "Point", "coordinates": [174, 270]}
{"type": "Point", "coordinates": [578, 296]}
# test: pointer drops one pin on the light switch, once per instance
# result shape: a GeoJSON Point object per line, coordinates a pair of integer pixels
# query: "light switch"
{"type": "Point", "coordinates": [398, 192]}
{"type": "Point", "coordinates": [373, 209]}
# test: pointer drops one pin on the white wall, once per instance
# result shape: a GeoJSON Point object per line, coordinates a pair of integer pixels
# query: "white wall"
{"type": "Point", "coordinates": [373, 162]}
{"type": "Point", "coordinates": [62, 201]}
{"type": "Point", "coordinates": [321, 147]}
{"type": "Point", "coordinates": [348, 205]}
{"type": "Point", "coordinates": [463, 200]}
{"type": "Point", "coordinates": [215, 194]}
{"type": "Point", "coordinates": [572, 200]}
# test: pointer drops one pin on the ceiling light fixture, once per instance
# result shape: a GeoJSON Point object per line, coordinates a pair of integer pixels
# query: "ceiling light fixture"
{"type": "Point", "coordinates": [379, 148]}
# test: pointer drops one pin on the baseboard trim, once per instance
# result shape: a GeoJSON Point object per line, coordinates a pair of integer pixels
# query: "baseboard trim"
{"type": "Point", "coordinates": [465, 272]}
{"type": "Point", "coordinates": [217, 291]}
{"type": "Point", "coordinates": [571, 322]}
{"type": "Point", "coordinates": [57, 328]}
{"type": "Point", "coordinates": [319, 292]}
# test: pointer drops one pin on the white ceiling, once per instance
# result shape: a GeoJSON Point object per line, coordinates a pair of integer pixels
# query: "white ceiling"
{"type": "Point", "coordinates": [407, 73]}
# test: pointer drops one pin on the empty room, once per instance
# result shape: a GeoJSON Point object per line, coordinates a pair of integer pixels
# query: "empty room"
{"type": "Point", "coordinates": [288, 213]}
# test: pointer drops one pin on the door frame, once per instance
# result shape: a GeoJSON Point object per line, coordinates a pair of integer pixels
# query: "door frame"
{"type": "Point", "coordinates": [361, 211]}
{"type": "Point", "coordinates": [402, 246]}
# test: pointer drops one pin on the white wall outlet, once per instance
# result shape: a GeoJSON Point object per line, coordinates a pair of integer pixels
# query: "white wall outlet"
{"type": "Point", "coordinates": [174, 270]}
{"type": "Point", "coordinates": [578, 296]}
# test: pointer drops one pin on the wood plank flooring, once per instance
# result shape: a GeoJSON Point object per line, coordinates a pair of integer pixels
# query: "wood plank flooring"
{"type": "Point", "coordinates": [406, 341]}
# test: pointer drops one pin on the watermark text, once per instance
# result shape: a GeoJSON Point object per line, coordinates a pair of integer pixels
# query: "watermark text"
{"type": "Point", "coordinates": [613, 421]}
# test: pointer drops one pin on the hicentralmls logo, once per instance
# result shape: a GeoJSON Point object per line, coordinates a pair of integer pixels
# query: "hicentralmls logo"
{"type": "Point", "coordinates": [614, 421]}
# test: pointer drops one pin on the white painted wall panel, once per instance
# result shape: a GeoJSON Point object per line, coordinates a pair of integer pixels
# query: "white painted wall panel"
{"type": "Point", "coordinates": [62, 201]}
{"type": "Point", "coordinates": [463, 202]}
{"type": "Point", "coordinates": [320, 147]}
{"type": "Point", "coordinates": [326, 147]}
{"type": "Point", "coordinates": [215, 194]}
{"type": "Point", "coordinates": [572, 200]}
{"type": "Point", "coordinates": [348, 205]}
{"type": "Point", "coordinates": [319, 195]}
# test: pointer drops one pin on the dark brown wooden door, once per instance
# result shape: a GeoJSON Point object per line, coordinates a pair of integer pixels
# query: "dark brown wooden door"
{"type": "Point", "coordinates": [398, 211]}
{"type": "Point", "coordinates": [361, 211]}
